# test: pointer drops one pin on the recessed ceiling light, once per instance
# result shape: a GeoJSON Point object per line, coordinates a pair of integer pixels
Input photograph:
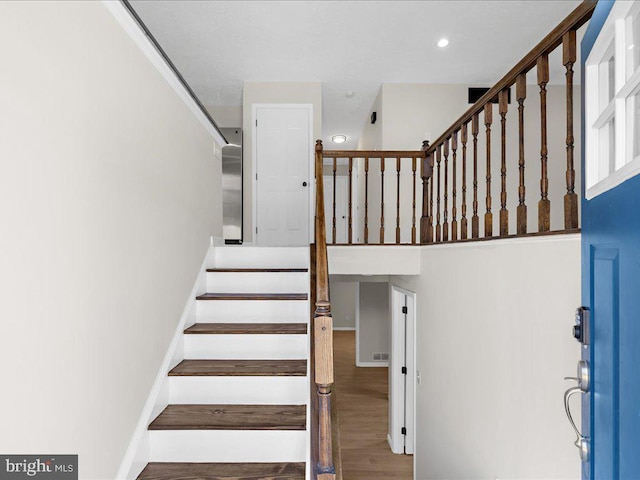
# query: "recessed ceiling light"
{"type": "Point", "coordinates": [443, 42]}
{"type": "Point", "coordinates": [339, 138]}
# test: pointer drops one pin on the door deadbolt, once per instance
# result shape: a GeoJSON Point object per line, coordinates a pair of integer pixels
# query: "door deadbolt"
{"type": "Point", "coordinates": [581, 327]}
{"type": "Point", "coordinates": [304, 184]}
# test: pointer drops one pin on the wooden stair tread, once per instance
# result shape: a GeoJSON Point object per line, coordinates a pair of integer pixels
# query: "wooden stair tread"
{"type": "Point", "coordinates": [231, 417]}
{"type": "Point", "coordinates": [240, 368]}
{"type": "Point", "coordinates": [258, 270]}
{"type": "Point", "coordinates": [223, 471]}
{"type": "Point", "coordinates": [246, 328]}
{"type": "Point", "coordinates": [252, 296]}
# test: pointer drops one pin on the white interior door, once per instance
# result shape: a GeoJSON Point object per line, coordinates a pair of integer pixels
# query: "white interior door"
{"type": "Point", "coordinates": [341, 207]}
{"type": "Point", "coordinates": [402, 372]}
{"type": "Point", "coordinates": [282, 143]}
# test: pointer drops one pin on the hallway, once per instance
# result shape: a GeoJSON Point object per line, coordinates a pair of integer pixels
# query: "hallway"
{"type": "Point", "coordinates": [363, 409]}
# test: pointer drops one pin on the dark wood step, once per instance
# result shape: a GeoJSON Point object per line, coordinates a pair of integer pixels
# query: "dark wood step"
{"type": "Point", "coordinates": [258, 270]}
{"type": "Point", "coordinates": [252, 296]}
{"type": "Point", "coordinates": [223, 471]}
{"type": "Point", "coordinates": [231, 417]}
{"type": "Point", "coordinates": [246, 328]}
{"type": "Point", "coordinates": [240, 368]}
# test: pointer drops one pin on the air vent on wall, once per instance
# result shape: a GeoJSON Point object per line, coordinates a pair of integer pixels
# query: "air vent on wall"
{"type": "Point", "coordinates": [476, 92]}
{"type": "Point", "coordinates": [381, 357]}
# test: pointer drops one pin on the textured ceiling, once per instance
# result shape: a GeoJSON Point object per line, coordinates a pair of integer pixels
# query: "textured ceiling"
{"type": "Point", "coordinates": [346, 45]}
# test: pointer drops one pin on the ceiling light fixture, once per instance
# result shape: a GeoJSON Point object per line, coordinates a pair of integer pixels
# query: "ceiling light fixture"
{"type": "Point", "coordinates": [443, 42]}
{"type": "Point", "coordinates": [339, 138]}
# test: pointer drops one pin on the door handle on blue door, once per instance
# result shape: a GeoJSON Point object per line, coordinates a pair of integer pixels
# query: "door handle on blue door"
{"type": "Point", "coordinates": [581, 442]}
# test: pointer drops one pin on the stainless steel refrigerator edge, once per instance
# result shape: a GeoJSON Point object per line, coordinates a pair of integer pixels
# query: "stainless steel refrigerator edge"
{"type": "Point", "coordinates": [232, 186]}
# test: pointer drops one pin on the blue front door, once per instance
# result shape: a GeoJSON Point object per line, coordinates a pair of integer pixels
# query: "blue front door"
{"type": "Point", "coordinates": [611, 291]}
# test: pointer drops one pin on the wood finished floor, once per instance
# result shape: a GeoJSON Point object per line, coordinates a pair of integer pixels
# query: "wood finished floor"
{"type": "Point", "coordinates": [363, 409]}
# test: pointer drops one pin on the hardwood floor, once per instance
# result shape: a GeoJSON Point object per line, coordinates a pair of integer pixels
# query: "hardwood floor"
{"type": "Point", "coordinates": [231, 417]}
{"type": "Point", "coordinates": [247, 329]}
{"type": "Point", "coordinates": [223, 471]}
{"type": "Point", "coordinates": [363, 409]}
{"type": "Point", "coordinates": [240, 368]}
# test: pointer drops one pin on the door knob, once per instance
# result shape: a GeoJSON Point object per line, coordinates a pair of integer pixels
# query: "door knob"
{"type": "Point", "coordinates": [304, 184]}
{"type": "Point", "coordinates": [581, 442]}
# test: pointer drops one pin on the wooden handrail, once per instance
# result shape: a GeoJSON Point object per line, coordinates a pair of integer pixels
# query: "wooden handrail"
{"type": "Point", "coordinates": [372, 153]}
{"type": "Point", "coordinates": [575, 20]}
{"type": "Point", "coordinates": [322, 336]}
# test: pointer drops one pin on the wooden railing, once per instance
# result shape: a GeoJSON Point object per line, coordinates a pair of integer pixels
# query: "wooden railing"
{"type": "Point", "coordinates": [390, 177]}
{"type": "Point", "coordinates": [322, 342]}
{"type": "Point", "coordinates": [447, 178]}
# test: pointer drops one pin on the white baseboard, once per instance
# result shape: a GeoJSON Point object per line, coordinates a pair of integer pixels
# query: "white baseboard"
{"type": "Point", "coordinates": [137, 455]}
{"type": "Point", "coordinates": [372, 364]}
{"type": "Point", "coordinates": [345, 329]}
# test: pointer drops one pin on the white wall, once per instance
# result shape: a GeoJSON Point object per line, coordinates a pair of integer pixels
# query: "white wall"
{"type": "Point", "coordinates": [108, 195]}
{"type": "Point", "coordinates": [226, 115]}
{"type": "Point", "coordinates": [493, 345]}
{"type": "Point", "coordinates": [343, 303]}
{"type": "Point", "coordinates": [272, 92]}
{"type": "Point", "coordinates": [373, 325]}
{"type": "Point", "coordinates": [371, 137]}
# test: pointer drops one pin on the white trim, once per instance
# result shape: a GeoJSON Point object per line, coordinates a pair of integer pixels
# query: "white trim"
{"type": "Point", "coordinates": [505, 241]}
{"type": "Point", "coordinates": [137, 454]}
{"type": "Point", "coordinates": [401, 404]}
{"type": "Point", "coordinates": [344, 329]}
{"type": "Point", "coordinates": [601, 176]}
{"type": "Point", "coordinates": [621, 175]}
{"type": "Point", "coordinates": [254, 165]}
{"type": "Point", "coordinates": [357, 292]}
{"type": "Point", "coordinates": [371, 364]}
{"type": "Point", "coordinates": [129, 25]}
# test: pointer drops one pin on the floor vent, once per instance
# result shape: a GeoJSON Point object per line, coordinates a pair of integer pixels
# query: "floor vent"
{"type": "Point", "coordinates": [380, 357]}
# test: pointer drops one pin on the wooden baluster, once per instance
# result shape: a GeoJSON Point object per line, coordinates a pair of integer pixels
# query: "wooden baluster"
{"type": "Point", "coordinates": [398, 201]}
{"type": "Point", "coordinates": [571, 198]}
{"type": "Point", "coordinates": [521, 94]}
{"type": "Point", "coordinates": [544, 205]}
{"type": "Point", "coordinates": [333, 230]}
{"type": "Point", "coordinates": [438, 226]}
{"type": "Point", "coordinates": [431, 188]}
{"type": "Point", "coordinates": [366, 199]}
{"type": "Point", "coordinates": [503, 99]}
{"type": "Point", "coordinates": [381, 200]}
{"type": "Point", "coordinates": [463, 220]}
{"type": "Point", "coordinates": [413, 214]}
{"type": "Point", "coordinates": [445, 223]}
{"type": "Point", "coordinates": [350, 239]}
{"type": "Point", "coordinates": [475, 221]}
{"type": "Point", "coordinates": [454, 222]}
{"type": "Point", "coordinates": [488, 217]}
{"type": "Point", "coordinates": [426, 173]}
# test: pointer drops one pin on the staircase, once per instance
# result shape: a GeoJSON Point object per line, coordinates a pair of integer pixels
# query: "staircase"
{"type": "Point", "coordinates": [238, 402]}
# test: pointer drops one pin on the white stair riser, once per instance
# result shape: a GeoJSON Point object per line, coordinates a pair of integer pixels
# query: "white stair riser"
{"type": "Point", "coordinates": [239, 390]}
{"type": "Point", "coordinates": [255, 311]}
{"type": "Point", "coordinates": [258, 282]}
{"type": "Point", "coordinates": [228, 445]}
{"type": "Point", "coordinates": [260, 257]}
{"type": "Point", "coordinates": [245, 347]}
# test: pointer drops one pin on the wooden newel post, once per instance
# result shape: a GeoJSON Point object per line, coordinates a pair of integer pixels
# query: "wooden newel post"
{"type": "Point", "coordinates": [323, 331]}
{"type": "Point", "coordinates": [426, 172]}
